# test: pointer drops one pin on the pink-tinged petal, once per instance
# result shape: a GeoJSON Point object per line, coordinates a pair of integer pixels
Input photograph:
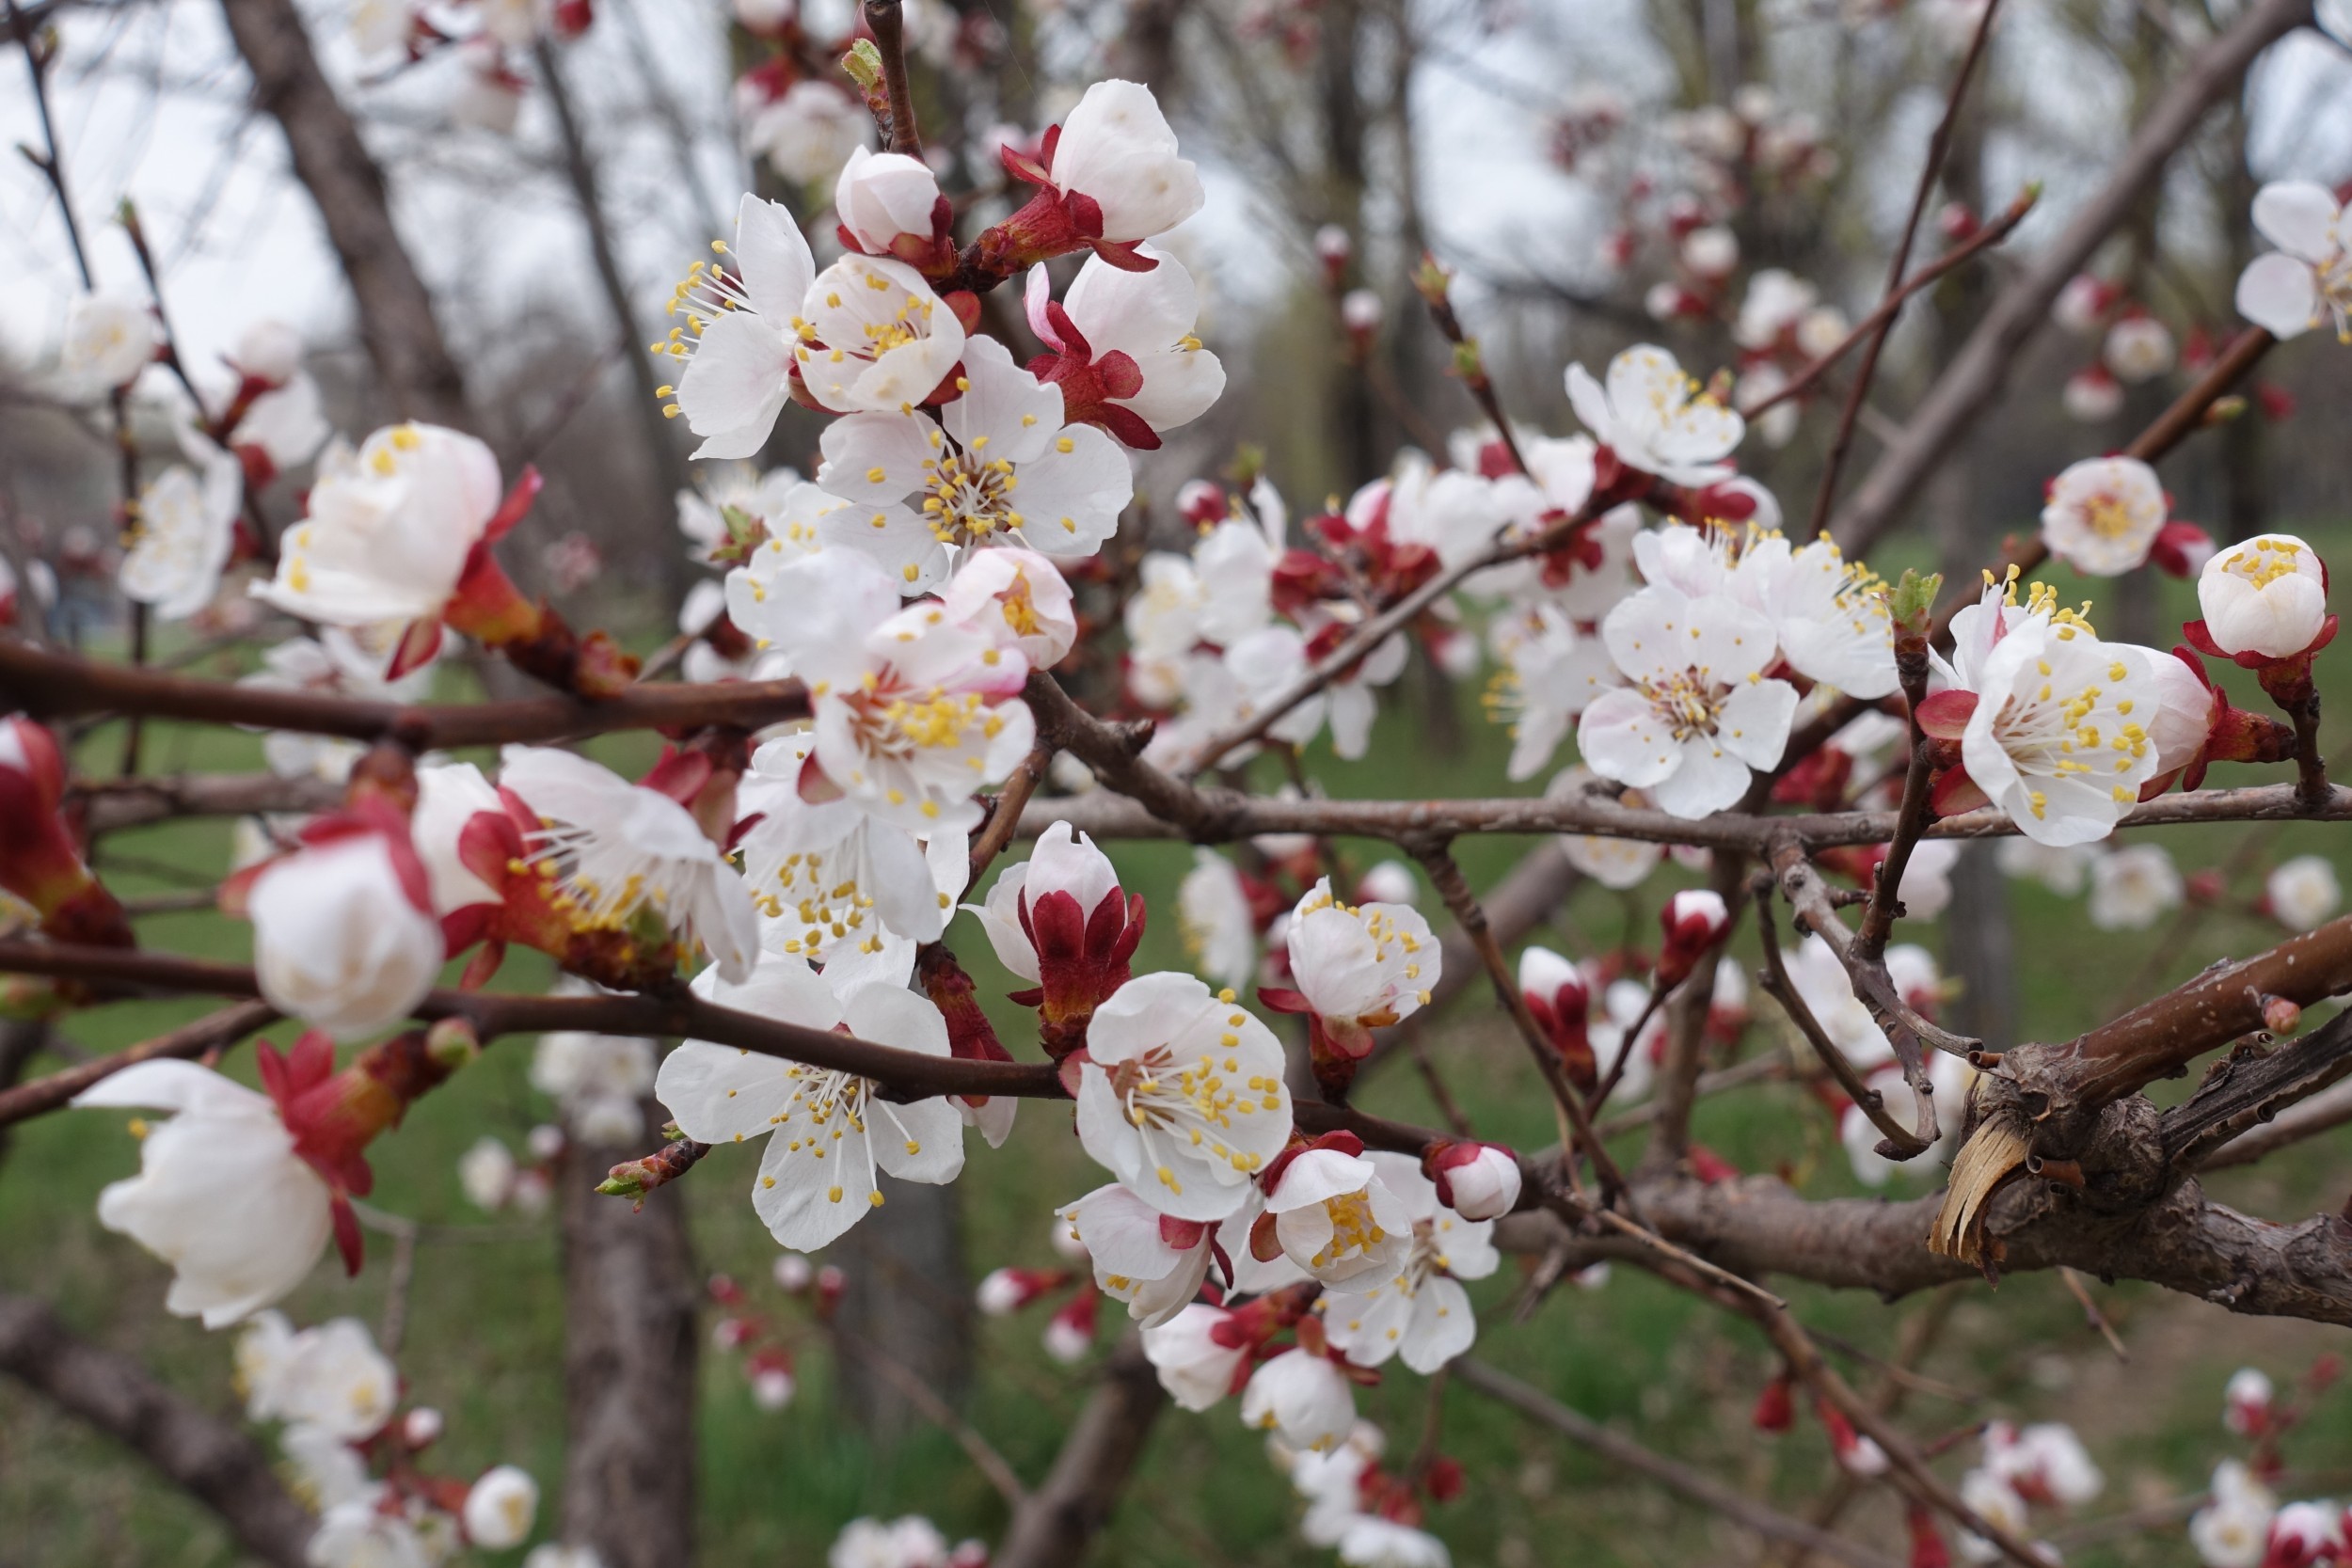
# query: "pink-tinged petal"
{"type": "Point", "coordinates": [2299, 217]}
{"type": "Point", "coordinates": [872, 458]}
{"type": "Point", "coordinates": [1036, 295]}
{"type": "Point", "coordinates": [1134, 311]}
{"type": "Point", "coordinates": [1622, 737]}
{"type": "Point", "coordinates": [2279, 293]}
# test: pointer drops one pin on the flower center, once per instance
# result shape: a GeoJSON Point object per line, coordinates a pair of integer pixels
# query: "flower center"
{"type": "Point", "coordinates": [2108, 516]}
{"type": "Point", "coordinates": [1354, 1232]}
{"type": "Point", "coordinates": [1689, 701]}
{"type": "Point", "coordinates": [968, 497]}
{"type": "Point", "coordinates": [2266, 561]}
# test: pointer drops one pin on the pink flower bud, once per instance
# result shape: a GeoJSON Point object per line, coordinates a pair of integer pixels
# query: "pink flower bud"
{"type": "Point", "coordinates": [1478, 1181]}
{"type": "Point", "coordinates": [1693, 920]}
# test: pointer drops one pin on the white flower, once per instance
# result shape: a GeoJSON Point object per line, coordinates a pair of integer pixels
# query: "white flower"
{"type": "Point", "coordinates": [702, 510]}
{"type": "Point", "coordinates": [1655, 419]}
{"type": "Point", "coordinates": [450, 796]}
{"type": "Point", "coordinates": [2266, 595]}
{"type": "Point", "coordinates": [2303, 893]}
{"type": "Point", "coordinates": [875, 337]}
{"type": "Point", "coordinates": [1180, 1096]}
{"type": "Point", "coordinates": [2061, 868]}
{"type": "Point", "coordinates": [486, 1173]}
{"type": "Point", "coordinates": [2246, 1402]}
{"type": "Point", "coordinates": [741, 328]}
{"type": "Point", "coordinates": [182, 535]}
{"type": "Point", "coordinates": [2305, 1533]}
{"type": "Point", "coordinates": [2139, 348]}
{"type": "Point", "coordinates": [500, 1507]}
{"type": "Point", "coordinates": [220, 1196]}
{"type": "Point", "coordinates": [1017, 599]}
{"type": "Point", "coordinates": [598, 1080]}
{"type": "Point", "coordinates": [1337, 1220]}
{"type": "Point", "coordinates": [2104, 515]}
{"type": "Point", "coordinates": [1420, 1311]}
{"type": "Point", "coordinates": [832, 881]}
{"type": "Point", "coordinates": [1623, 1003]}
{"type": "Point", "coordinates": [1553, 673]}
{"type": "Point", "coordinates": [1116, 149]}
{"type": "Point", "coordinates": [2091, 396]}
{"type": "Point", "coordinates": [1992, 1500]}
{"type": "Point", "coordinates": [912, 1542]}
{"type": "Point", "coordinates": [108, 340]}
{"type": "Point", "coordinates": [1302, 1396]}
{"type": "Point", "coordinates": [1360, 966]}
{"type": "Point", "coordinates": [809, 133]}
{"type": "Point", "coordinates": [340, 937]}
{"type": "Point", "coordinates": [1481, 1182]}
{"type": "Point", "coordinates": [881, 197]}
{"type": "Point", "coordinates": [622, 848]}
{"type": "Point", "coordinates": [358, 1532]}
{"type": "Point", "coordinates": [1149, 317]}
{"type": "Point", "coordinates": [1697, 713]}
{"type": "Point", "coordinates": [1195, 1366]}
{"type": "Point", "coordinates": [1136, 1258]}
{"type": "Point", "coordinates": [2052, 741]}
{"type": "Point", "coordinates": [2233, 1529]}
{"type": "Point", "coordinates": [2308, 279]}
{"type": "Point", "coordinates": [1829, 995]}
{"type": "Point", "coordinates": [1775, 302]}
{"type": "Point", "coordinates": [1925, 892]}
{"type": "Point", "coordinates": [997, 465]}
{"type": "Point", "coordinates": [913, 711]}
{"type": "Point", "coordinates": [388, 532]}
{"type": "Point", "coordinates": [331, 1379]}
{"type": "Point", "coordinates": [1711, 252]}
{"type": "Point", "coordinates": [829, 1135]}
{"type": "Point", "coordinates": [1370, 1542]}
{"type": "Point", "coordinates": [2132, 888]}
{"type": "Point", "coordinates": [1828, 613]}
{"type": "Point", "coordinates": [554, 1554]}
{"type": "Point", "coordinates": [1218, 927]}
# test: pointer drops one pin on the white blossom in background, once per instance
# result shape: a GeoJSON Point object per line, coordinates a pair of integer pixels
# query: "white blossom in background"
{"type": "Point", "coordinates": [830, 1136]}
{"type": "Point", "coordinates": [486, 1173]}
{"type": "Point", "coordinates": [2138, 349]}
{"type": "Point", "coordinates": [2303, 894]}
{"type": "Point", "coordinates": [182, 535]}
{"type": "Point", "coordinates": [1614, 862]}
{"type": "Point", "coordinates": [2232, 1530]}
{"type": "Point", "coordinates": [911, 1541]}
{"type": "Point", "coordinates": [2132, 888]}
{"type": "Point", "coordinates": [1655, 418]}
{"type": "Point", "coordinates": [1371, 1542]}
{"type": "Point", "coordinates": [1196, 1368]}
{"type": "Point", "coordinates": [2046, 1460]}
{"type": "Point", "coordinates": [1302, 1396]}
{"type": "Point", "coordinates": [109, 338]}
{"type": "Point", "coordinates": [331, 1378]}
{"type": "Point", "coordinates": [735, 352]}
{"type": "Point", "coordinates": [2062, 868]}
{"type": "Point", "coordinates": [1419, 1312]}
{"type": "Point", "coordinates": [499, 1508]}
{"type": "Point", "coordinates": [1182, 1096]}
{"type": "Point", "coordinates": [1552, 672]}
{"type": "Point", "coordinates": [222, 1196]}
{"type": "Point", "coordinates": [2104, 515]}
{"type": "Point", "coordinates": [1697, 713]}
{"type": "Point", "coordinates": [808, 133]}
{"type": "Point", "coordinates": [702, 508]}
{"type": "Point", "coordinates": [1214, 918]}
{"type": "Point", "coordinates": [343, 937]}
{"type": "Point", "coordinates": [598, 1080]}
{"type": "Point", "coordinates": [2307, 282]}
{"type": "Point", "coordinates": [626, 848]}
{"type": "Point", "coordinates": [997, 465]}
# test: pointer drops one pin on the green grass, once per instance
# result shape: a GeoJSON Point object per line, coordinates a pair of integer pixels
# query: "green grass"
{"type": "Point", "coordinates": [486, 1325]}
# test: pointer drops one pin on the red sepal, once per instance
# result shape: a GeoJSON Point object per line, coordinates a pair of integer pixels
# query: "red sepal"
{"type": "Point", "coordinates": [515, 507]}
{"type": "Point", "coordinates": [1946, 715]}
{"type": "Point", "coordinates": [419, 642]}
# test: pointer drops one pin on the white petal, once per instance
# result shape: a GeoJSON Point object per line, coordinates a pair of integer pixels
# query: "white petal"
{"type": "Point", "coordinates": [2279, 293]}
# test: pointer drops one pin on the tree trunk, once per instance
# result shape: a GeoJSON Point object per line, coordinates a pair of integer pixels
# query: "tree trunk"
{"type": "Point", "coordinates": [1054, 1528]}
{"type": "Point", "coordinates": [909, 1301]}
{"type": "Point", "coordinates": [630, 1347]}
{"type": "Point", "coordinates": [395, 313]}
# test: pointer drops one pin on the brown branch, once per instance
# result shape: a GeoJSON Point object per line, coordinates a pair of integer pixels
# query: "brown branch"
{"type": "Point", "coordinates": [1058, 1521]}
{"type": "Point", "coordinates": [1690, 1482]}
{"type": "Point", "coordinates": [210, 1033]}
{"type": "Point", "coordinates": [1939, 146]}
{"type": "Point", "coordinates": [886, 21]}
{"type": "Point", "coordinates": [2322, 1113]}
{"type": "Point", "coordinates": [1982, 239]}
{"type": "Point", "coordinates": [1974, 376]}
{"type": "Point", "coordinates": [50, 685]}
{"type": "Point", "coordinates": [109, 805]}
{"type": "Point", "coordinates": [220, 1467]}
{"type": "Point", "coordinates": [2243, 1092]}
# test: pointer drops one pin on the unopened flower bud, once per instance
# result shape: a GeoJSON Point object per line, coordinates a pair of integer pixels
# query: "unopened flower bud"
{"type": "Point", "coordinates": [1361, 310]}
{"type": "Point", "coordinates": [2266, 596]}
{"type": "Point", "coordinates": [1478, 1181]}
{"type": "Point", "coordinates": [500, 1510]}
{"type": "Point", "coordinates": [421, 1428]}
{"type": "Point", "coordinates": [1775, 1411]}
{"type": "Point", "coordinates": [1389, 883]}
{"type": "Point", "coordinates": [2281, 1016]}
{"type": "Point", "coordinates": [268, 351]}
{"type": "Point", "coordinates": [545, 1142]}
{"type": "Point", "coordinates": [1693, 920]}
{"type": "Point", "coordinates": [1561, 1000]}
{"type": "Point", "coordinates": [793, 1273]}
